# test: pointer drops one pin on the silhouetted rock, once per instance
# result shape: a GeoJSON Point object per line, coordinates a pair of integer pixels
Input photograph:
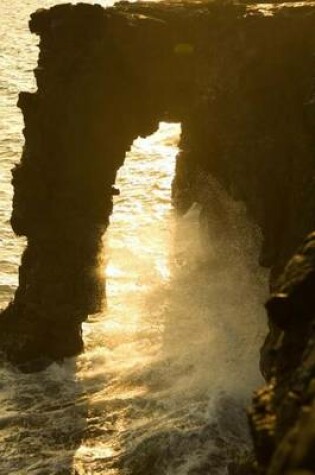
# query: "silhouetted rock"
{"type": "Point", "coordinates": [283, 414]}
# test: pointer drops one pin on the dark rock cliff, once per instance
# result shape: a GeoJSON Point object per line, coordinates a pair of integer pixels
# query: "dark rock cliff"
{"type": "Point", "coordinates": [241, 81]}
{"type": "Point", "coordinates": [254, 128]}
{"type": "Point", "coordinates": [283, 413]}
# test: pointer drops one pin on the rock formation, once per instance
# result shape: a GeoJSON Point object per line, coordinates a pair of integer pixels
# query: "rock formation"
{"type": "Point", "coordinates": [90, 106]}
{"type": "Point", "coordinates": [283, 413]}
{"type": "Point", "coordinates": [240, 79]}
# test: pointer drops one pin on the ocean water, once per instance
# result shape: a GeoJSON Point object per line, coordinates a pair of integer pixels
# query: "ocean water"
{"type": "Point", "coordinates": [171, 362]}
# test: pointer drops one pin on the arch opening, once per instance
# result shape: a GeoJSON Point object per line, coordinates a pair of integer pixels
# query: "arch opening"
{"type": "Point", "coordinates": [173, 305]}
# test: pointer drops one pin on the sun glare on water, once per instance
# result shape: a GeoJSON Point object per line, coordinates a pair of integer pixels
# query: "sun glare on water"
{"type": "Point", "coordinates": [137, 247]}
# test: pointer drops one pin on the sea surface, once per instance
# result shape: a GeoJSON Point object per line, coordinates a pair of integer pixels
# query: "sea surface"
{"type": "Point", "coordinates": [171, 362]}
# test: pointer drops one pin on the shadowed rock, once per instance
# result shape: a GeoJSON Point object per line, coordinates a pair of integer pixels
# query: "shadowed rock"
{"type": "Point", "coordinates": [283, 414]}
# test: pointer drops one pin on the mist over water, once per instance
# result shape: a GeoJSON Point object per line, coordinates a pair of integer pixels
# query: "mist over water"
{"type": "Point", "coordinates": [171, 361]}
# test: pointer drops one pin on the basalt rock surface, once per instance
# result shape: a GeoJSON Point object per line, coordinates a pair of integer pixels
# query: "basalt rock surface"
{"type": "Point", "coordinates": [240, 79]}
{"type": "Point", "coordinates": [254, 127]}
{"type": "Point", "coordinates": [283, 413]}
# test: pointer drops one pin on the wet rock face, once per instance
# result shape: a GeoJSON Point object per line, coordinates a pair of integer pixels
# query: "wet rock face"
{"type": "Point", "coordinates": [283, 413]}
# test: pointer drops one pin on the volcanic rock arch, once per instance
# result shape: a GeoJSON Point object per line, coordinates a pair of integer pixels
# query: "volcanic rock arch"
{"type": "Point", "coordinates": [106, 76]}
{"type": "Point", "coordinates": [240, 80]}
